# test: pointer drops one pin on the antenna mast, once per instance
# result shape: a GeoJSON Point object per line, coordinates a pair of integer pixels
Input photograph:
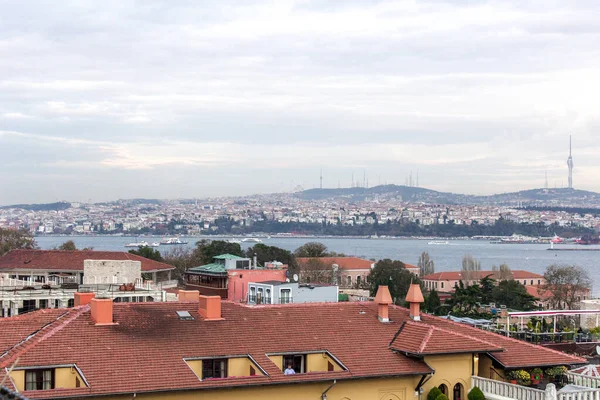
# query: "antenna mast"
{"type": "Point", "coordinates": [570, 165]}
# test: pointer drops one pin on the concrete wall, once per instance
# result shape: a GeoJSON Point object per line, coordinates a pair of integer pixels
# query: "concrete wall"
{"type": "Point", "coordinates": [304, 294]}
{"type": "Point", "coordinates": [238, 279]}
{"type": "Point", "coordinates": [111, 271]}
{"type": "Point", "coordinates": [589, 321]}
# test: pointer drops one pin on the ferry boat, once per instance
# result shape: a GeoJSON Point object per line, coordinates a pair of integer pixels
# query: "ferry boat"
{"type": "Point", "coordinates": [439, 242]}
{"type": "Point", "coordinates": [170, 241]}
{"type": "Point", "coordinates": [251, 240]}
{"type": "Point", "coordinates": [557, 239]}
{"type": "Point", "coordinates": [143, 243]}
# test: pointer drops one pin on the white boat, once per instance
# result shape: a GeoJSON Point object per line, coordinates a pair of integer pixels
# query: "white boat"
{"type": "Point", "coordinates": [251, 240]}
{"type": "Point", "coordinates": [439, 242]}
{"type": "Point", "coordinates": [168, 241]}
{"type": "Point", "coordinates": [234, 241]}
{"type": "Point", "coordinates": [143, 243]}
{"type": "Point", "coordinates": [154, 244]}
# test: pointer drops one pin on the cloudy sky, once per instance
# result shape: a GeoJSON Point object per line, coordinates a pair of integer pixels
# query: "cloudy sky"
{"type": "Point", "coordinates": [121, 99]}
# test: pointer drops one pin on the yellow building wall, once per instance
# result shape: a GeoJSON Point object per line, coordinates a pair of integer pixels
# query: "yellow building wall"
{"type": "Point", "coordinates": [64, 378]}
{"type": "Point", "coordinates": [318, 363]}
{"type": "Point", "coordinates": [360, 389]}
{"type": "Point", "coordinates": [18, 378]}
{"type": "Point", "coordinates": [277, 360]}
{"type": "Point", "coordinates": [235, 367]}
{"type": "Point", "coordinates": [450, 370]}
{"type": "Point", "coordinates": [485, 369]}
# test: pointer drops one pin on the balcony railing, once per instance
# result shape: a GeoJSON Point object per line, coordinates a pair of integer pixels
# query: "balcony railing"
{"type": "Point", "coordinates": [286, 300]}
{"type": "Point", "coordinates": [254, 299]}
{"type": "Point", "coordinates": [494, 388]}
{"type": "Point", "coordinates": [580, 380]}
{"type": "Point", "coordinates": [498, 388]}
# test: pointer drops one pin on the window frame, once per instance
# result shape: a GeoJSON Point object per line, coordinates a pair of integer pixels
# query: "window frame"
{"type": "Point", "coordinates": [223, 364]}
{"type": "Point", "coordinates": [301, 357]}
{"type": "Point", "coordinates": [39, 379]}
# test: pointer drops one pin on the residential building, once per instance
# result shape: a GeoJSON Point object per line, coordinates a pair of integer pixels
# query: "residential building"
{"type": "Point", "coordinates": [275, 292]}
{"type": "Point", "coordinates": [228, 276]}
{"type": "Point", "coordinates": [56, 266]}
{"type": "Point", "coordinates": [352, 271]}
{"type": "Point", "coordinates": [189, 350]}
{"type": "Point", "coordinates": [446, 281]}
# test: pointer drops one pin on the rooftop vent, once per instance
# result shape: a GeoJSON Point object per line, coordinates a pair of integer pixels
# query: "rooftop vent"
{"type": "Point", "coordinates": [185, 315]}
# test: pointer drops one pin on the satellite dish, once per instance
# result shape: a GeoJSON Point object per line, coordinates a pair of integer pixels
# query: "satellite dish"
{"type": "Point", "coordinates": [295, 277]}
{"type": "Point", "coordinates": [598, 350]}
{"type": "Point", "coordinates": [287, 279]}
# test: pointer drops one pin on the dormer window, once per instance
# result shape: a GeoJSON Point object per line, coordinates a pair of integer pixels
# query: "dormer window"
{"type": "Point", "coordinates": [214, 368]}
{"type": "Point", "coordinates": [39, 379]}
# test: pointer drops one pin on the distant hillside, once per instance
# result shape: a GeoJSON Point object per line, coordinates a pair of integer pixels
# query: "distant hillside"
{"type": "Point", "coordinates": [41, 207]}
{"type": "Point", "coordinates": [532, 197]}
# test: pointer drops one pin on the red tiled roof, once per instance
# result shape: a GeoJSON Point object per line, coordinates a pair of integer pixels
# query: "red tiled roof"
{"type": "Point", "coordinates": [457, 275]}
{"type": "Point", "coordinates": [516, 354]}
{"type": "Point", "coordinates": [342, 262]}
{"type": "Point", "coordinates": [64, 260]}
{"type": "Point", "coordinates": [410, 266]}
{"type": "Point", "coordinates": [422, 339]}
{"type": "Point", "coordinates": [144, 351]}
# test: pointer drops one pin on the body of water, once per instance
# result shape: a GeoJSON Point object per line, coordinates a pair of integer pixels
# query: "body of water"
{"type": "Point", "coordinates": [447, 257]}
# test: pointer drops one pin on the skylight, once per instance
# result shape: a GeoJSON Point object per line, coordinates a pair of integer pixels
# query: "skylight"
{"type": "Point", "coordinates": [185, 315]}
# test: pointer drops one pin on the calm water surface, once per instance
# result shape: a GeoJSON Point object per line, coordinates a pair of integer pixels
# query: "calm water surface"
{"type": "Point", "coordinates": [447, 257]}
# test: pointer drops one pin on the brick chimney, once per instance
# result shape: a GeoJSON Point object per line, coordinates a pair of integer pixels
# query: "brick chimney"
{"type": "Point", "coordinates": [102, 311]}
{"type": "Point", "coordinates": [188, 296]}
{"type": "Point", "coordinates": [383, 298]}
{"type": "Point", "coordinates": [82, 299]}
{"type": "Point", "coordinates": [415, 298]}
{"type": "Point", "coordinates": [210, 308]}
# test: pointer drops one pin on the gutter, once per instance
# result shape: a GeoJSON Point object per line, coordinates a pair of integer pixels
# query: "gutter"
{"type": "Point", "coordinates": [324, 394]}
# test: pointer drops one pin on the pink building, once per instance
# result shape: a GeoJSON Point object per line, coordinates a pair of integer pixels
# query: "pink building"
{"type": "Point", "coordinates": [228, 276]}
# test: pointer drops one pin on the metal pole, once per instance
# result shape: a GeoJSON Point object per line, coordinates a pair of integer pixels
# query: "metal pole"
{"type": "Point", "coordinates": [554, 324]}
{"type": "Point", "coordinates": [507, 325]}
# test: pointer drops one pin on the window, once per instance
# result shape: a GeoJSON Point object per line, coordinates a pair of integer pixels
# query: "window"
{"type": "Point", "coordinates": [252, 296]}
{"type": "Point", "coordinates": [532, 281]}
{"type": "Point", "coordinates": [39, 379]}
{"type": "Point", "coordinates": [539, 282]}
{"type": "Point", "coordinates": [252, 371]}
{"type": "Point", "coordinates": [268, 296]}
{"type": "Point", "coordinates": [216, 368]}
{"type": "Point", "coordinates": [349, 280]}
{"type": "Point", "coordinates": [358, 280]}
{"type": "Point", "coordinates": [444, 389]}
{"type": "Point", "coordinates": [260, 296]}
{"type": "Point", "coordinates": [285, 296]}
{"type": "Point", "coordinates": [297, 361]}
{"type": "Point", "coordinates": [457, 393]}
{"type": "Point", "coordinates": [442, 283]}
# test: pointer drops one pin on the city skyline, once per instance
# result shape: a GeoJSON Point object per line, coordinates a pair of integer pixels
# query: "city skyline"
{"type": "Point", "coordinates": [186, 101]}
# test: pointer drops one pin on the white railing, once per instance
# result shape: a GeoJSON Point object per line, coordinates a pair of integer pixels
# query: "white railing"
{"type": "Point", "coordinates": [498, 388]}
{"type": "Point", "coordinates": [581, 380]}
{"type": "Point", "coordinates": [582, 395]}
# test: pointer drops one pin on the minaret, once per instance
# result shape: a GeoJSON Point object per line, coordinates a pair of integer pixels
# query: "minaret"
{"type": "Point", "coordinates": [546, 185]}
{"type": "Point", "coordinates": [321, 184]}
{"type": "Point", "coordinates": [570, 165]}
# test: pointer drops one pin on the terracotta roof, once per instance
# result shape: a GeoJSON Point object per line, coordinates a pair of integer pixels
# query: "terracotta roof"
{"type": "Point", "coordinates": [410, 266]}
{"type": "Point", "coordinates": [516, 354]}
{"type": "Point", "coordinates": [151, 341]}
{"type": "Point", "coordinates": [64, 260]}
{"type": "Point", "coordinates": [422, 339]}
{"type": "Point", "coordinates": [457, 275]}
{"type": "Point", "coordinates": [342, 262]}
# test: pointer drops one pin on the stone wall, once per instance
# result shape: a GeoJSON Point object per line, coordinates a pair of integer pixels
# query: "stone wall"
{"type": "Point", "coordinates": [111, 271]}
{"type": "Point", "coordinates": [589, 321]}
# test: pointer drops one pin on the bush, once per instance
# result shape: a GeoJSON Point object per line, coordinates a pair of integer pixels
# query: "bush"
{"type": "Point", "coordinates": [434, 393]}
{"type": "Point", "coordinates": [476, 394]}
{"type": "Point", "coordinates": [441, 397]}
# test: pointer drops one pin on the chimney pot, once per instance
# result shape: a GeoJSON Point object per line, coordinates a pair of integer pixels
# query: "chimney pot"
{"type": "Point", "coordinates": [383, 298]}
{"type": "Point", "coordinates": [210, 308]}
{"type": "Point", "coordinates": [415, 298]}
{"type": "Point", "coordinates": [82, 299]}
{"type": "Point", "coordinates": [102, 311]}
{"type": "Point", "coordinates": [188, 296]}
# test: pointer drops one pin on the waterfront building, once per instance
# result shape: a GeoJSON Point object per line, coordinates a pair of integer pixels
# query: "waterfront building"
{"type": "Point", "coordinates": [228, 276]}
{"type": "Point", "coordinates": [202, 347]}
{"type": "Point", "coordinates": [275, 292]}
{"type": "Point", "coordinates": [446, 282]}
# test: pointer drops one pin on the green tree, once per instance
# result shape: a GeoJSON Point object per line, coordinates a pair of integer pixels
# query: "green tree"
{"type": "Point", "coordinates": [11, 239]}
{"type": "Point", "coordinates": [476, 394]}
{"type": "Point", "coordinates": [182, 258]}
{"type": "Point", "coordinates": [566, 284]}
{"type": "Point", "coordinates": [316, 271]}
{"type": "Point", "coordinates": [311, 249]}
{"type": "Point", "coordinates": [513, 295]}
{"type": "Point", "coordinates": [148, 252]}
{"type": "Point", "coordinates": [394, 275]}
{"type": "Point", "coordinates": [487, 285]}
{"type": "Point", "coordinates": [434, 393]}
{"type": "Point", "coordinates": [465, 298]}
{"type": "Point", "coordinates": [426, 265]}
{"type": "Point", "coordinates": [206, 250]}
{"type": "Point", "coordinates": [266, 253]}
{"type": "Point", "coordinates": [432, 302]}
{"type": "Point", "coordinates": [68, 245]}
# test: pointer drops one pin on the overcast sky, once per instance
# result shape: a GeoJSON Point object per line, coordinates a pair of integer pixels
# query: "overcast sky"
{"type": "Point", "coordinates": [168, 99]}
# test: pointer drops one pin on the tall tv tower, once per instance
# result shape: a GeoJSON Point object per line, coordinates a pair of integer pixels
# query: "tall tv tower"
{"type": "Point", "coordinates": [570, 165]}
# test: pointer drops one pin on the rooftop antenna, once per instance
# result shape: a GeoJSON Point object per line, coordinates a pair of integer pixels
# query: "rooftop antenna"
{"type": "Point", "coordinates": [417, 185]}
{"type": "Point", "coordinates": [570, 165]}
{"type": "Point", "coordinates": [352, 180]}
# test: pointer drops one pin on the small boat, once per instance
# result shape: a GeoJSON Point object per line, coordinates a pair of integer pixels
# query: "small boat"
{"type": "Point", "coordinates": [154, 244]}
{"type": "Point", "coordinates": [169, 241]}
{"type": "Point", "coordinates": [439, 242]}
{"type": "Point", "coordinates": [557, 239]}
{"type": "Point", "coordinates": [143, 243]}
{"type": "Point", "coordinates": [234, 241]}
{"type": "Point", "coordinates": [251, 240]}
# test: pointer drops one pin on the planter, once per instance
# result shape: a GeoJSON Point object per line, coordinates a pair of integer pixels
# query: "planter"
{"type": "Point", "coordinates": [513, 381]}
